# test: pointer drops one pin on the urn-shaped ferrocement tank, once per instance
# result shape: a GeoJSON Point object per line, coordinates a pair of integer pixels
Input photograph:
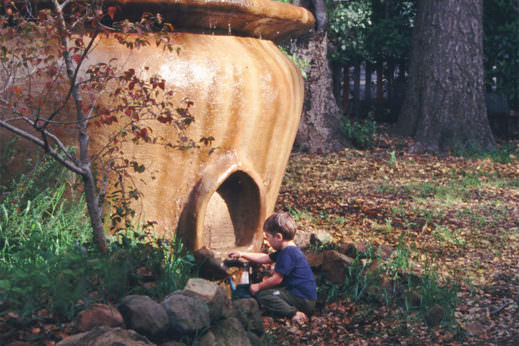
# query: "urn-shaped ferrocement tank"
{"type": "Point", "coordinates": [246, 93]}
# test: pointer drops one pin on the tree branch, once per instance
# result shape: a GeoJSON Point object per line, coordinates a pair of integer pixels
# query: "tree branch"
{"type": "Point", "coordinates": [56, 155]}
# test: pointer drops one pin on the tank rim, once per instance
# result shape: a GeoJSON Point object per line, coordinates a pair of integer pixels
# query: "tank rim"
{"type": "Point", "coordinates": [264, 19]}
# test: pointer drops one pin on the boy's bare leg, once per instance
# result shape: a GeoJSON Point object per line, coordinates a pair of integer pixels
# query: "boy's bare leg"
{"type": "Point", "coordinates": [299, 317]}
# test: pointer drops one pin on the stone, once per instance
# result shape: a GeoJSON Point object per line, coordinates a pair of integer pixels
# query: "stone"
{"type": "Point", "coordinates": [99, 315]}
{"type": "Point", "coordinates": [208, 339]}
{"type": "Point", "coordinates": [302, 239]}
{"type": "Point", "coordinates": [187, 314]}
{"type": "Point", "coordinates": [347, 248]}
{"type": "Point", "coordinates": [434, 315]}
{"type": "Point", "coordinates": [210, 267]}
{"type": "Point", "coordinates": [475, 328]}
{"type": "Point", "coordinates": [214, 296]}
{"type": "Point", "coordinates": [335, 265]}
{"type": "Point", "coordinates": [144, 315]}
{"type": "Point", "coordinates": [230, 332]}
{"type": "Point", "coordinates": [353, 249]}
{"type": "Point", "coordinates": [315, 259]}
{"type": "Point", "coordinates": [102, 336]}
{"type": "Point", "coordinates": [320, 238]}
{"type": "Point", "coordinates": [247, 311]}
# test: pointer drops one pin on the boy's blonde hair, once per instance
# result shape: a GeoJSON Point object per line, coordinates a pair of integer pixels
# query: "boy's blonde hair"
{"type": "Point", "coordinates": [281, 223]}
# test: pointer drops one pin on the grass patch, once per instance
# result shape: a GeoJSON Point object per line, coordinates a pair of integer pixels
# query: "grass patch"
{"type": "Point", "coordinates": [429, 215]}
{"type": "Point", "coordinates": [503, 153]}
{"type": "Point", "coordinates": [450, 191]}
{"type": "Point", "coordinates": [445, 234]}
{"type": "Point", "coordinates": [374, 281]}
{"type": "Point", "coordinates": [48, 258]}
{"type": "Point", "coordinates": [300, 214]}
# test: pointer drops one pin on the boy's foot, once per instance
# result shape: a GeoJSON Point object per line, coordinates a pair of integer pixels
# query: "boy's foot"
{"type": "Point", "coordinates": [299, 317]}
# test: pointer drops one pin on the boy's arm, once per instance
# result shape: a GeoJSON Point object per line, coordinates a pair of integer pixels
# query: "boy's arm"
{"type": "Point", "coordinates": [272, 281]}
{"type": "Point", "coordinates": [256, 257]}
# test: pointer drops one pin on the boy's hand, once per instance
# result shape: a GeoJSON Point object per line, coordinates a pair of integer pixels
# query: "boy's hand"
{"type": "Point", "coordinates": [234, 254]}
{"type": "Point", "coordinates": [254, 288]}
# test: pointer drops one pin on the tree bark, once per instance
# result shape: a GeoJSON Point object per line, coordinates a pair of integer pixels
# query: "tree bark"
{"type": "Point", "coordinates": [94, 211]}
{"type": "Point", "coordinates": [91, 196]}
{"type": "Point", "coordinates": [444, 106]}
{"type": "Point", "coordinates": [318, 128]}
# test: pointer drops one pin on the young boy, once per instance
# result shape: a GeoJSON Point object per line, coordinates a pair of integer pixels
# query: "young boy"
{"type": "Point", "coordinates": [291, 290]}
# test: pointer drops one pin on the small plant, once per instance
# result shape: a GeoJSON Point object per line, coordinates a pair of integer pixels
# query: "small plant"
{"type": "Point", "coordinates": [321, 247]}
{"type": "Point", "coordinates": [431, 298]}
{"type": "Point", "coordinates": [399, 211]}
{"type": "Point", "coordinates": [300, 214]}
{"type": "Point", "coordinates": [339, 220]}
{"type": "Point", "coordinates": [429, 215]}
{"type": "Point", "coordinates": [295, 213]}
{"type": "Point", "coordinates": [302, 64]}
{"type": "Point", "coordinates": [385, 228]}
{"type": "Point", "coordinates": [323, 214]}
{"type": "Point", "coordinates": [361, 134]}
{"type": "Point", "coordinates": [444, 234]}
{"type": "Point", "coordinates": [392, 158]}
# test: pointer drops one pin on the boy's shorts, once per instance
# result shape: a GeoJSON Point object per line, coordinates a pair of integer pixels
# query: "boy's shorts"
{"type": "Point", "coordinates": [281, 303]}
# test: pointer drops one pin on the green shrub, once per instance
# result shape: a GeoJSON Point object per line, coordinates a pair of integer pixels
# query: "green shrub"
{"type": "Point", "coordinates": [361, 134]}
{"type": "Point", "coordinates": [48, 258]}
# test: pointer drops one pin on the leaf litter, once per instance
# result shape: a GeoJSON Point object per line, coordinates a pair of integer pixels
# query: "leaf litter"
{"type": "Point", "coordinates": [460, 213]}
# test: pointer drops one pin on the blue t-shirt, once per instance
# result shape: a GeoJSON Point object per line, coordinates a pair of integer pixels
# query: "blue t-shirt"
{"type": "Point", "coordinates": [298, 278]}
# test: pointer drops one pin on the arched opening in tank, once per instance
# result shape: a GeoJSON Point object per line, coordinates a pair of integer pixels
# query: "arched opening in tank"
{"type": "Point", "coordinates": [232, 214]}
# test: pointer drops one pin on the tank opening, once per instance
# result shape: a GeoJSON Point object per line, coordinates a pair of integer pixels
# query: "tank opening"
{"type": "Point", "coordinates": [232, 214]}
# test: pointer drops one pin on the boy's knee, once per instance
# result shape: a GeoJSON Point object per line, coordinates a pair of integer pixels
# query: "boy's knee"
{"type": "Point", "coordinates": [272, 302]}
{"type": "Point", "coordinates": [263, 295]}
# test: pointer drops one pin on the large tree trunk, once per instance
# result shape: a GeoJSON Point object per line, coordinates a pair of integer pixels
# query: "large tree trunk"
{"type": "Point", "coordinates": [318, 128]}
{"type": "Point", "coordinates": [444, 105]}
